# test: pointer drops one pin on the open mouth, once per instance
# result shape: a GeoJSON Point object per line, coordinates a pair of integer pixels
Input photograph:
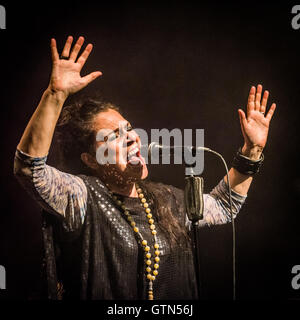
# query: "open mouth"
{"type": "Point", "coordinates": [134, 157]}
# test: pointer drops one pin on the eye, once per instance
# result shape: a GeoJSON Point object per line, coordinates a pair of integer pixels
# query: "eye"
{"type": "Point", "coordinates": [112, 136]}
{"type": "Point", "coordinates": [116, 134]}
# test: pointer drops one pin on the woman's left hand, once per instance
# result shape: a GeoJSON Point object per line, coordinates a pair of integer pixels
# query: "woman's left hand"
{"type": "Point", "coordinates": [255, 127]}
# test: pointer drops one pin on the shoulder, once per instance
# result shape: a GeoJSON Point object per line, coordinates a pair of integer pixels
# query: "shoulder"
{"type": "Point", "coordinates": [93, 183]}
{"type": "Point", "coordinates": [161, 189]}
{"type": "Point", "coordinates": [167, 197]}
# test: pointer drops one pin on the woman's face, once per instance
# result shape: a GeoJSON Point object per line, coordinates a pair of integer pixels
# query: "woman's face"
{"type": "Point", "coordinates": [120, 141]}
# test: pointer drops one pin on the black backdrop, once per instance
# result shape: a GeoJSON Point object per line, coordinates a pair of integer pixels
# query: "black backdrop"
{"type": "Point", "coordinates": [176, 65]}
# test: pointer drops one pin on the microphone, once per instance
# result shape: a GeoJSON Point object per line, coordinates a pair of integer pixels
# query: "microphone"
{"type": "Point", "coordinates": [193, 198]}
{"type": "Point", "coordinates": [154, 148]}
{"type": "Point", "coordinates": [193, 193]}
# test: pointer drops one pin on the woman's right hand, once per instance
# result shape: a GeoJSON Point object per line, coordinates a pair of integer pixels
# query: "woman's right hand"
{"type": "Point", "coordinates": [65, 76]}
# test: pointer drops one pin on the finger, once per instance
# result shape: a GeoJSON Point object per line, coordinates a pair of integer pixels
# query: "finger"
{"type": "Point", "coordinates": [258, 97]}
{"type": "Point", "coordinates": [243, 120]}
{"type": "Point", "coordinates": [242, 117]}
{"type": "Point", "coordinates": [82, 59]}
{"type": "Point", "coordinates": [251, 98]}
{"type": "Point", "coordinates": [264, 102]}
{"type": "Point", "coordinates": [271, 112]}
{"type": "Point", "coordinates": [91, 77]}
{"type": "Point", "coordinates": [54, 53]}
{"type": "Point", "coordinates": [76, 48]}
{"type": "Point", "coordinates": [67, 47]}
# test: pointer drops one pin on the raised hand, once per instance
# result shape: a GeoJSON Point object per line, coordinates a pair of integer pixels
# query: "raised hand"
{"type": "Point", "coordinates": [255, 127]}
{"type": "Point", "coordinates": [65, 75]}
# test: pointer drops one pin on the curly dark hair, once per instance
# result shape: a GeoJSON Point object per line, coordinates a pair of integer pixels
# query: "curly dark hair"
{"type": "Point", "coordinates": [75, 135]}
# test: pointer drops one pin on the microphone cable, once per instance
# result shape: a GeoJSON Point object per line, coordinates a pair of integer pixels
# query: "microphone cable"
{"type": "Point", "coordinates": [232, 223]}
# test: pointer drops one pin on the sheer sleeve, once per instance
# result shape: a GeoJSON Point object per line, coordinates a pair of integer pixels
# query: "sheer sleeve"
{"type": "Point", "coordinates": [216, 205]}
{"type": "Point", "coordinates": [60, 193]}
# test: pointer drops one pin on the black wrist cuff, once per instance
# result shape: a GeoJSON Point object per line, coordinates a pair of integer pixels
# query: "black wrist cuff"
{"type": "Point", "coordinates": [245, 165]}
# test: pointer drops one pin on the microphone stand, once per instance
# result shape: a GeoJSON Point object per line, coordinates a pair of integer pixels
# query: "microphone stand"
{"type": "Point", "coordinates": [194, 204]}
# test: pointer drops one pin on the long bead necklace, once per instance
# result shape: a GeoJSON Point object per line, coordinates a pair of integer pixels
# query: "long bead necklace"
{"type": "Point", "coordinates": [148, 262]}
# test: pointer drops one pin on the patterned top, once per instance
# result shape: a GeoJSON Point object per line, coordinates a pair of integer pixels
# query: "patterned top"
{"type": "Point", "coordinates": [65, 195]}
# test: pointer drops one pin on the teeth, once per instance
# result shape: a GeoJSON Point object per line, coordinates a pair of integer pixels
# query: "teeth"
{"type": "Point", "coordinates": [133, 152]}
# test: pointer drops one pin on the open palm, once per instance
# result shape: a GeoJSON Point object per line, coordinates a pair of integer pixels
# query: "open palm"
{"type": "Point", "coordinates": [255, 127]}
{"type": "Point", "coordinates": [65, 75]}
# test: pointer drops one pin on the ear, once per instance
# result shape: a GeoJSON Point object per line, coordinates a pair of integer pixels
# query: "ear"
{"type": "Point", "coordinates": [89, 160]}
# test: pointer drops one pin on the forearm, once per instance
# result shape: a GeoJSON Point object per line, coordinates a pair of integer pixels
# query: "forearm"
{"type": "Point", "coordinates": [37, 137]}
{"type": "Point", "coordinates": [240, 183]}
{"type": "Point", "coordinates": [57, 192]}
{"type": "Point", "coordinates": [217, 206]}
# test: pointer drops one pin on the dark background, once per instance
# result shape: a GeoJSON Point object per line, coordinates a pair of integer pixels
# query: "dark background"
{"type": "Point", "coordinates": [175, 65]}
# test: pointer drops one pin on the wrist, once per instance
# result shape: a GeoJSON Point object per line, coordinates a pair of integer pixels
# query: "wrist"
{"type": "Point", "coordinates": [59, 96]}
{"type": "Point", "coordinates": [252, 152]}
{"type": "Point", "coordinates": [246, 165]}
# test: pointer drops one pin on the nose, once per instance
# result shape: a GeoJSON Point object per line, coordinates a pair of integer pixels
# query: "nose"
{"type": "Point", "coordinates": [132, 137]}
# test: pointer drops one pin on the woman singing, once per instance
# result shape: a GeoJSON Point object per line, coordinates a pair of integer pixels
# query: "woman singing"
{"type": "Point", "coordinates": [109, 233]}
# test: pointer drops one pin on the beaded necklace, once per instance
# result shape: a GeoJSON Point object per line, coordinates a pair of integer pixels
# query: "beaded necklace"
{"type": "Point", "coordinates": [148, 261]}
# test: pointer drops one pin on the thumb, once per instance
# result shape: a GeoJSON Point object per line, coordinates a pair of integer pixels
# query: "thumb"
{"type": "Point", "coordinates": [242, 117]}
{"type": "Point", "coordinates": [91, 77]}
{"type": "Point", "coordinates": [243, 120]}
